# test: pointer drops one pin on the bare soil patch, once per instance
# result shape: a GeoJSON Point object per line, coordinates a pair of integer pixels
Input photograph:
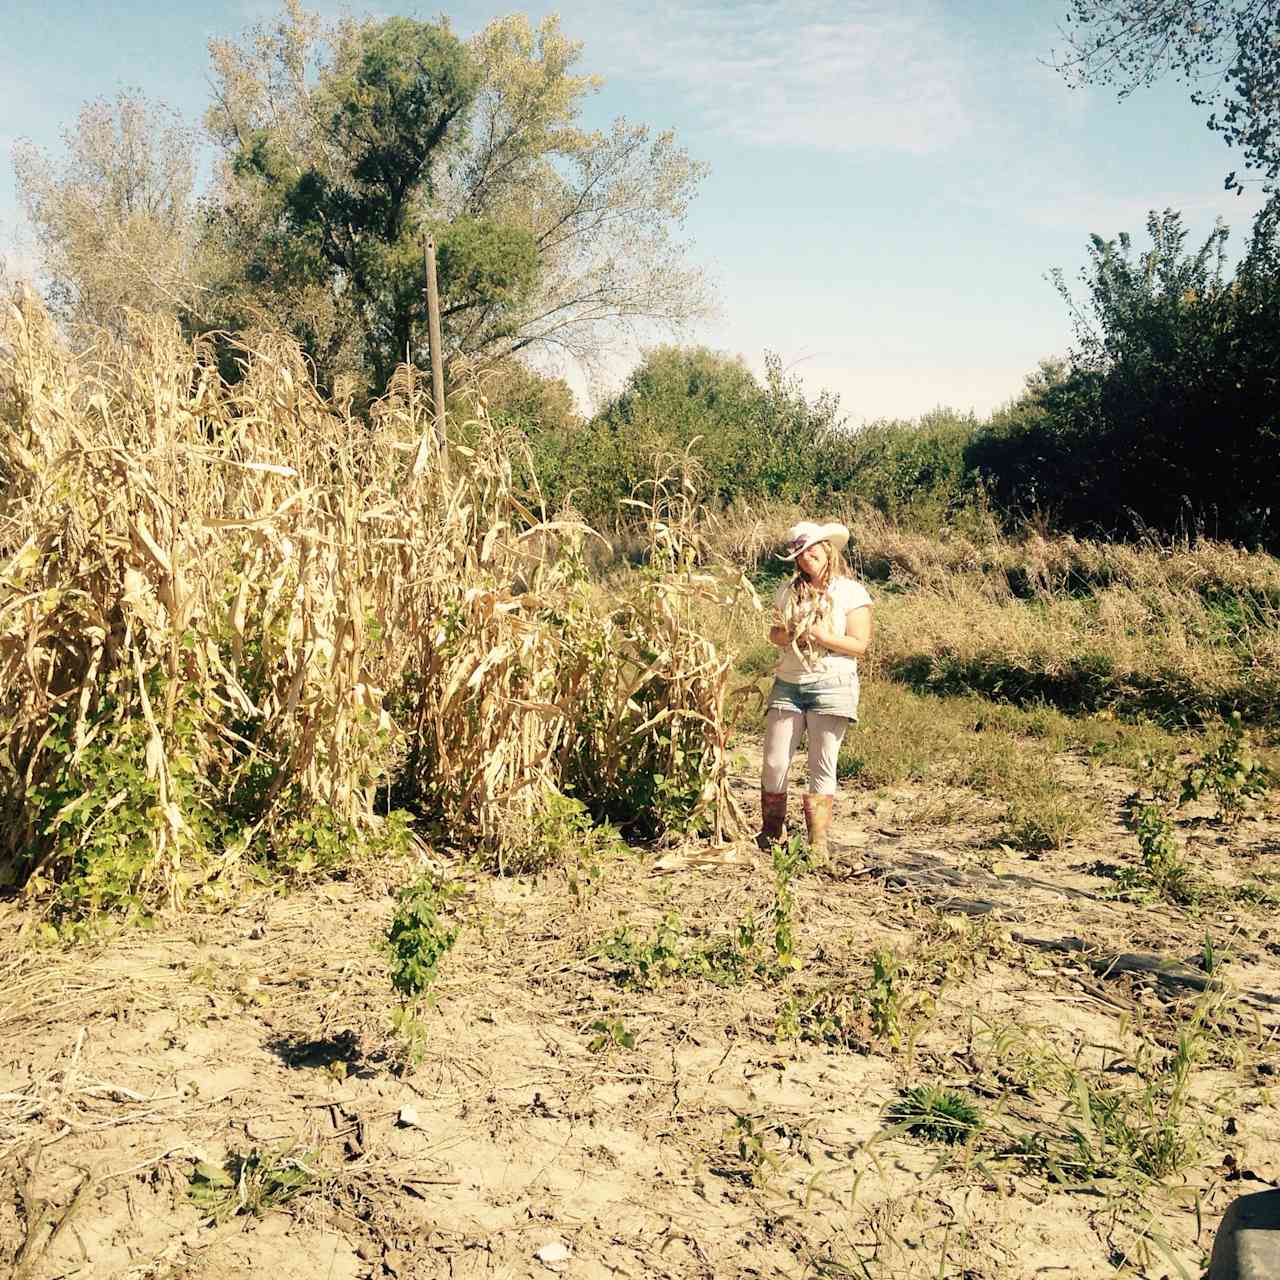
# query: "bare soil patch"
{"type": "Point", "coordinates": [257, 1039]}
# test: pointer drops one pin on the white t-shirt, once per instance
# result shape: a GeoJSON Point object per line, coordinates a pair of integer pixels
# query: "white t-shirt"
{"type": "Point", "coordinates": [845, 595]}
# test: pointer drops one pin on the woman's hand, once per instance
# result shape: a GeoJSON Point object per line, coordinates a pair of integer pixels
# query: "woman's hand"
{"type": "Point", "coordinates": [852, 643]}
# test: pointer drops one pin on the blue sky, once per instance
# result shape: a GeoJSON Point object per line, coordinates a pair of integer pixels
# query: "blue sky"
{"type": "Point", "coordinates": [890, 180]}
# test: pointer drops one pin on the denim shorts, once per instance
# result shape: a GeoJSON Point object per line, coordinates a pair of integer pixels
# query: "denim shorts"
{"type": "Point", "coordinates": [826, 695]}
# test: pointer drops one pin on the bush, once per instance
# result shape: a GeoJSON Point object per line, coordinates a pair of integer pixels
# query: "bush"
{"type": "Point", "coordinates": [1165, 417]}
{"type": "Point", "coordinates": [750, 439]}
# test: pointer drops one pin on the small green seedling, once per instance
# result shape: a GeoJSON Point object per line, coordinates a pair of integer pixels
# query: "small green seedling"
{"type": "Point", "coordinates": [250, 1184]}
{"type": "Point", "coordinates": [935, 1115]}
{"type": "Point", "coordinates": [610, 1034]}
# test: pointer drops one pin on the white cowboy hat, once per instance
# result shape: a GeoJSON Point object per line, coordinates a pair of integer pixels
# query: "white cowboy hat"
{"type": "Point", "coordinates": [800, 537]}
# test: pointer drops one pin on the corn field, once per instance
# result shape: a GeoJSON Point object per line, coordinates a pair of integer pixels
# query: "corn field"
{"type": "Point", "coordinates": [236, 620]}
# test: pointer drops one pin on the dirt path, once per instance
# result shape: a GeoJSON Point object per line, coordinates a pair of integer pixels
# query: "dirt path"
{"type": "Point", "coordinates": [711, 1148]}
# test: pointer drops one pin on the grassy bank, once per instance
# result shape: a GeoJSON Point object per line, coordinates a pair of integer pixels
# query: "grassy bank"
{"type": "Point", "coordinates": [1180, 634]}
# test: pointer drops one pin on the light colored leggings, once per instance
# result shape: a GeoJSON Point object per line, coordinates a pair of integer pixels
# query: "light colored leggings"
{"type": "Point", "coordinates": [782, 732]}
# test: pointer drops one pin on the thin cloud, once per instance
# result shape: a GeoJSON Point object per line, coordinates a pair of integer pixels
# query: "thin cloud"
{"type": "Point", "coordinates": [1057, 203]}
{"type": "Point", "coordinates": [818, 75]}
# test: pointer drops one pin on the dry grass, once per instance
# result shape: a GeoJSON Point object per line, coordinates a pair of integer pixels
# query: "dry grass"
{"type": "Point", "coordinates": [1185, 632]}
{"type": "Point", "coordinates": [234, 613]}
{"type": "Point", "coordinates": [1158, 649]}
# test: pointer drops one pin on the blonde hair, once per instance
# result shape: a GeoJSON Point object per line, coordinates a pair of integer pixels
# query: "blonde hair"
{"type": "Point", "coordinates": [801, 586]}
{"type": "Point", "coordinates": [807, 603]}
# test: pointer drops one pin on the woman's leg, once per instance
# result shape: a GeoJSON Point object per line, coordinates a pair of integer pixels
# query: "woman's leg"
{"type": "Point", "coordinates": [782, 730]}
{"type": "Point", "coordinates": [825, 736]}
{"type": "Point", "coordinates": [826, 733]}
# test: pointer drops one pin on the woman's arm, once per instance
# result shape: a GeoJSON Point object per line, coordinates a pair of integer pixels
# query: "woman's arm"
{"type": "Point", "coordinates": [856, 639]}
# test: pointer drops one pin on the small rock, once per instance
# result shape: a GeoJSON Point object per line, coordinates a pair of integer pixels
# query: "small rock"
{"type": "Point", "coordinates": [552, 1253]}
{"type": "Point", "coordinates": [409, 1118]}
{"type": "Point", "coordinates": [257, 932]}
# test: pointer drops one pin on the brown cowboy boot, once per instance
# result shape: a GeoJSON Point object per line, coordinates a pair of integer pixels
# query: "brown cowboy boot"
{"type": "Point", "coordinates": [773, 818]}
{"type": "Point", "coordinates": [817, 820]}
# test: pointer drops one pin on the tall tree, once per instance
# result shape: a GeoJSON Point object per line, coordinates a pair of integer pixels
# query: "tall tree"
{"type": "Point", "coordinates": [345, 146]}
{"type": "Point", "coordinates": [1165, 418]}
{"type": "Point", "coordinates": [341, 207]}
{"type": "Point", "coordinates": [1228, 51]}
{"type": "Point", "coordinates": [115, 221]}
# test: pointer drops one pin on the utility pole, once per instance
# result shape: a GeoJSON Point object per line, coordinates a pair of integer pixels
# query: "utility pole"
{"type": "Point", "coordinates": [437, 354]}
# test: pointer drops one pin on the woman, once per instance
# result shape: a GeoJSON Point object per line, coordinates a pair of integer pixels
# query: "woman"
{"type": "Point", "coordinates": [822, 626]}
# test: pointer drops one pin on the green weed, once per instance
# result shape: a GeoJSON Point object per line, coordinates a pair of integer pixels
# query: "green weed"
{"type": "Point", "coordinates": [885, 996]}
{"type": "Point", "coordinates": [1212, 957]}
{"type": "Point", "coordinates": [1230, 771]}
{"type": "Point", "coordinates": [418, 939]}
{"type": "Point", "coordinates": [98, 809]}
{"type": "Point", "coordinates": [321, 842]}
{"type": "Point", "coordinates": [1163, 867]}
{"type": "Point", "coordinates": [851, 1015]}
{"type": "Point", "coordinates": [787, 860]}
{"type": "Point", "coordinates": [935, 1115]}
{"type": "Point", "coordinates": [835, 1017]}
{"type": "Point", "coordinates": [560, 833]}
{"type": "Point", "coordinates": [251, 1184]}
{"type": "Point", "coordinates": [1235, 777]}
{"type": "Point", "coordinates": [1127, 1120]}
{"type": "Point", "coordinates": [1151, 817]}
{"type": "Point", "coordinates": [611, 1033]}
{"type": "Point", "coordinates": [647, 964]}
{"type": "Point", "coordinates": [732, 959]}
{"type": "Point", "coordinates": [1256, 893]}
{"type": "Point", "coordinates": [1109, 1132]}
{"type": "Point", "coordinates": [752, 1142]}
{"type": "Point", "coordinates": [729, 960]}
{"type": "Point", "coordinates": [650, 963]}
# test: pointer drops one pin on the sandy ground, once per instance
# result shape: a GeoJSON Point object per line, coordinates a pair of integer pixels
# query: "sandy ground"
{"type": "Point", "coordinates": [712, 1148]}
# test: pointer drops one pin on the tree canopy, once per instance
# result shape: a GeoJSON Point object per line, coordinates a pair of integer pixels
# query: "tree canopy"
{"type": "Point", "coordinates": [751, 438]}
{"type": "Point", "coordinates": [1228, 51]}
{"type": "Point", "coordinates": [339, 150]}
{"type": "Point", "coordinates": [1165, 416]}
{"type": "Point", "coordinates": [116, 218]}
{"type": "Point", "coordinates": [345, 147]}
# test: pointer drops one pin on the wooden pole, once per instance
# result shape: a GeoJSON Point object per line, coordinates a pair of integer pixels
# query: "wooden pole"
{"type": "Point", "coordinates": [437, 354]}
